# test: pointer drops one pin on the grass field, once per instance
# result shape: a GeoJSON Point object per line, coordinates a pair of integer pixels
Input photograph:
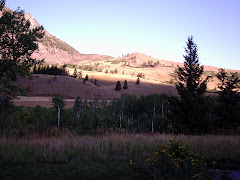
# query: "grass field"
{"type": "Point", "coordinates": [105, 156]}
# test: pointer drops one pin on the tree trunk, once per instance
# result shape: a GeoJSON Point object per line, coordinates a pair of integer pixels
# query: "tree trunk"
{"type": "Point", "coordinates": [162, 110]}
{"type": "Point", "coordinates": [120, 119]}
{"type": "Point", "coordinates": [154, 115]}
{"type": "Point", "coordinates": [152, 125]}
{"type": "Point", "coordinates": [114, 109]}
{"type": "Point", "coordinates": [78, 114]}
{"type": "Point", "coordinates": [59, 111]}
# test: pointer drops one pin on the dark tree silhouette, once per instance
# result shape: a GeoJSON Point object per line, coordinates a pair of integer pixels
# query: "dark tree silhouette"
{"type": "Point", "coordinates": [189, 113]}
{"type": "Point", "coordinates": [228, 111]}
{"type": "Point", "coordinates": [138, 81]}
{"type": "Point", "coordinates": [86, 77]}
{"type": "Point", "coordinates": [17, 43]}
{"type": "Point", "coordinates": [118, 86]}
{"type": "Point", "coordinates": [125, 85]}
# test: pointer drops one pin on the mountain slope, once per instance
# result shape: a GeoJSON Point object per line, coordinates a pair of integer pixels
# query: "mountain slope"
{"type": "Point", "coordinates": [56, 51]}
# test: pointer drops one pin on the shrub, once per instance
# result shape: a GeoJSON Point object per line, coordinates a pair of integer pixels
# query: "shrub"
{"type": "Point", "coordinates": [174, 161]}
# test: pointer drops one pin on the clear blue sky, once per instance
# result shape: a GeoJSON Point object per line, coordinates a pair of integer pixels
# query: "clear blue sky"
{"type": "Point", "coordinates": [158, 28]}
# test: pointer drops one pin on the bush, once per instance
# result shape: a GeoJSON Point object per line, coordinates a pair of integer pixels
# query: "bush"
{"type": "Point", "coordinates": [174, 161]}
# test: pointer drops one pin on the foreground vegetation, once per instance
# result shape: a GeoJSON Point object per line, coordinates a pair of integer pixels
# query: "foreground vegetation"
{"type": "Point", "coordinates": [108, 156]}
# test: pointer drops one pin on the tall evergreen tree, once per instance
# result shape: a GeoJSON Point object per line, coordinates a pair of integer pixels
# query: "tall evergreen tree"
{"type": "Point", "coordinates": [188, 113]}
{"type": "Point", "coordinates": [228, 111]}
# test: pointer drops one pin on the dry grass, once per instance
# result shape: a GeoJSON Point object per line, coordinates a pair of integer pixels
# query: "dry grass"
{"type": "Point", "coordinates": [46, 86]}
{"type": "Point", "coordinates": [111, 146]}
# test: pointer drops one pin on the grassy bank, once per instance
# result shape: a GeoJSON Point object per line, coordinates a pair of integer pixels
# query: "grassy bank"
{"type": "Point", "coordinates": [104, 154]}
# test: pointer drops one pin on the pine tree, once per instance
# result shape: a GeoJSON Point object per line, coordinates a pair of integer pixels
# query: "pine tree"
{"type": "Point", "coordinates": [118, 86]}
{"type": "Point", "coordinates": [188, 113]}
{"type": "Point", "coordinates": [228, 111]}
{"type": "Point", "coordinates": [125, 85]}
{"type": "Point", "coordinates": [138, 81]}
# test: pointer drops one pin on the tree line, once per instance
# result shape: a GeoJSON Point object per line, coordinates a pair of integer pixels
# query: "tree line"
{"type": "Point", "coordinates": [51, 70]}
{"type": "Point", "coordinates": [151, 113]}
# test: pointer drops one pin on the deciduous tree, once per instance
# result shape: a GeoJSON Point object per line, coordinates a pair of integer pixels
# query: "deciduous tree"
{"type": "Point", "coordinates": [77, 106]}
{"type": "Point", "coordinates": [59, 104]}
{"type": "Point", "coordinates": [18, 41]}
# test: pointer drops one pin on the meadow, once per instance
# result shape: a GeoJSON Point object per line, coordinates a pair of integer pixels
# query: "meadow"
{"type": "Point", "coordinates": [103, 156]}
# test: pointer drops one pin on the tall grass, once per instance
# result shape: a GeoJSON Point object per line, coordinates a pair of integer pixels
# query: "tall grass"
{"type": "Point", "coordinates": [68, 148]}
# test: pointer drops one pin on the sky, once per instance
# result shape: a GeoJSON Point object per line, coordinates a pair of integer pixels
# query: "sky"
{"type": "Point", "coordinates": [158, 28]}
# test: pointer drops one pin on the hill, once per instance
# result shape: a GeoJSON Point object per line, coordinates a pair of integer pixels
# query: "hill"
{"type": "Point", "coordinates": [48, 85]}
{"type": "Point", "coordinates": [56, 51]}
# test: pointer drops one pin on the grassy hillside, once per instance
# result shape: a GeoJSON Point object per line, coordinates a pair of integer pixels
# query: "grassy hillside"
{"type": "Point", "coordinates": [47, 85]}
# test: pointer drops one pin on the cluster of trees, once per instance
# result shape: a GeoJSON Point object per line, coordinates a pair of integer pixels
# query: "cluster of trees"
{"type": "Point", "coordinates": [192, 112]}
{"type": "Point", "coordinates": [115, 71]}
{"type": "Point", "coordinates": [125, 85]}
{"type": "Point", "coordinates": [145, 114]}
{"type": "Point", "coordinates": [151, 63]}
{"type": "Point", "coordinates": [51, 70]}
